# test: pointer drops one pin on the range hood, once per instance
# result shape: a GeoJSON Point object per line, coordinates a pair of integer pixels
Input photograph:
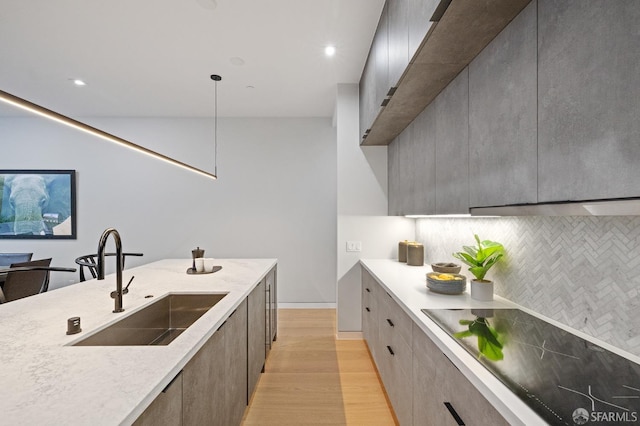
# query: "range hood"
{"type": "Point", "coordinates": [617, 207]}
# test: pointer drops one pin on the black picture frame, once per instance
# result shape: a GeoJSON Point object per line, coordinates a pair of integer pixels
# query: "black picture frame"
{"type": "Point", "coordinates": [38, 204]}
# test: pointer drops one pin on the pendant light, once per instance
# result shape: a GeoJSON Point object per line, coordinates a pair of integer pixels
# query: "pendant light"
{"type": "Point", "coordinates": [78, 125]}
{"type": "Point", "coordinates": [216, 78]}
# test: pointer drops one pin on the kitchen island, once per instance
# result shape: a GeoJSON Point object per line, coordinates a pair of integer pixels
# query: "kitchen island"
{"type": "Point", "coordinates": [414, 354]}
{"type": "Point", "coordinates": [46, 381]}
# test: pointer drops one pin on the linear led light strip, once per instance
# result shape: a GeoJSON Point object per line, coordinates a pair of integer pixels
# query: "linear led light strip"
{"type": "Point", "coordinates": [67, 121]}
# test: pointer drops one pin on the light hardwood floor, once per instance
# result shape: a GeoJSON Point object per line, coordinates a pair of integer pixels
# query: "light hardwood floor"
{"type": "Point", "coordinates": [313, 379]}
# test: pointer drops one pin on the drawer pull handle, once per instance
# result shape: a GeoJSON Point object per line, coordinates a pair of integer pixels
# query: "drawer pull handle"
{"type": "Point", "coordinates": [368, 310]}
{"type": "Point", "coordinates": [390, 351]}
{"type": "Point", "coordinates": [454, 414]}
{"type": "Point", "coordinates": [390, 322]}
{"type": "Point", "coordinates": [368, 291]}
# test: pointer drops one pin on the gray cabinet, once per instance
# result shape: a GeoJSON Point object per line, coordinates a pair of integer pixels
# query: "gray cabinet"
{"type": "Point", "coordinates": [437, 382]}
{"type": "Point", "coordinates": [428, 162]}
{"type": "Point", "coordinates": [419, 14]}
{"type": "Point", "coordinates": [452, 147]}
{"type": "Point", "coordinates": [394, 356]}
{"type": "Point", "coordinates": [256, 326]}
{"type": "Point", "coordinates": [166, 409]}
{"type": "Point", "coordinates": [271, 313]}
{"type": "Point", "coordinates": [398, 39]}
{"type": "Point", "coordinates": [380, 45]}
{"type": "Point", "coordinates": [370, 312]}
{"type": "Point", "coordinates": [235, 362]}
{"type": "Point", "coordinates": [503, 117]}
{"type": "Point", "coordinates": [589, 86]}
{"type": "Point", "coordinates": [203, 392]}
{"type": "Point", "coordinates": [367, 95]}
{"type": "Point", "coordinates": [387, 331]}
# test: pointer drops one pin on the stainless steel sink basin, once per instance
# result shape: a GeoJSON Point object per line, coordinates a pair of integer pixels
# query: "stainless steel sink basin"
{"type": "Point", "coordinates": [156, 324]}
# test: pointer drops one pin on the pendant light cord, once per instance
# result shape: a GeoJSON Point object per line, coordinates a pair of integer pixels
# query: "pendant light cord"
{"type": "Point", "coordinates": [216, 78]}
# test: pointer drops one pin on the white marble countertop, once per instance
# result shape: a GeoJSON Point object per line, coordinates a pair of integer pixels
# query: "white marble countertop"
{"type": "Point", "coordinates": [407, 285]}
{"type": "Point", "coordinates": [44, 381]}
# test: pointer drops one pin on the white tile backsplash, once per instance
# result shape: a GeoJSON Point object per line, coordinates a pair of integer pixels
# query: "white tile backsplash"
{"type": "Point", "coordinates": [581, 271]}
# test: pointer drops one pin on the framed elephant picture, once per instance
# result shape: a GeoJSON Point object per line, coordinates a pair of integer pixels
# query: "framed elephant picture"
{"type": "Point", "coordinates": [38, 204]}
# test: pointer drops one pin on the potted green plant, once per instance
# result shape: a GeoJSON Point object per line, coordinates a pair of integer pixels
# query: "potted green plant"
{"type": "Point", "coordinates": [480, 259]}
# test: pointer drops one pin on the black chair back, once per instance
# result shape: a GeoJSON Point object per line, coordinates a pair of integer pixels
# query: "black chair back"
{"type": "Point", "coordinates": [6, 259]}
{"type": "Point", "coordinates": [89, 261]}
{"type": "Point", "coordinates": [28, 283]}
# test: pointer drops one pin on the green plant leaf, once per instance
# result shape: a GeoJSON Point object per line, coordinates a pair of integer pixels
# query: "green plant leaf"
{"type": "Point", "coordinates": [462, 334]}
{"type": "Point", "coordinates": [478, 271]}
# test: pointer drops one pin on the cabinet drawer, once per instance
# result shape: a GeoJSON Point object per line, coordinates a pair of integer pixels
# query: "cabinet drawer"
{"type": "Point", "coordinates": [395, 361]}
{"type": "Point", "coordinates": [393, 319]}
{"type": "Point", "coordinates": [438, 383]}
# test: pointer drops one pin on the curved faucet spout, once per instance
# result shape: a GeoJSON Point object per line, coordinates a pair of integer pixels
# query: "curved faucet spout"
{"type": "Point", "coordinates": [100, 266]}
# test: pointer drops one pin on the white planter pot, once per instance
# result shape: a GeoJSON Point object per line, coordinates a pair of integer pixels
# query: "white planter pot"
{"type": "Point", "coordinates": [482, 290]}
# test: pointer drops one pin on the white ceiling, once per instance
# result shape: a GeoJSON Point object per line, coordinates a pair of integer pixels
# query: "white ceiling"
{"type": "Point", "coordinates": [154, 57]}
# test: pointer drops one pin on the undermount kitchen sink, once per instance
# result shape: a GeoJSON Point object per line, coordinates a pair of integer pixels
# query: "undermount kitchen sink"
{"type": "Point", "coordinates": [156, 324]}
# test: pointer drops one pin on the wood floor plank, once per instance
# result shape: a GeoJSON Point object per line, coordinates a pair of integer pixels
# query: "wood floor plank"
{"type": "Point", "coordinates": [311, 378]}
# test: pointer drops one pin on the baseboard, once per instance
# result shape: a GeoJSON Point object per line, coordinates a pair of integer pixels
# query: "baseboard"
{"type": "Point", "coordinates": [349, 335]}
{"type": "Point", "coordinates": [306, 305]}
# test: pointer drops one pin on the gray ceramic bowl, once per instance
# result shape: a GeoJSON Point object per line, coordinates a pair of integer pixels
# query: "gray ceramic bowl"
{"type": "Point", "coordinates": [448, 267]}
{"type": "Point", "coordinates": [455, 286]}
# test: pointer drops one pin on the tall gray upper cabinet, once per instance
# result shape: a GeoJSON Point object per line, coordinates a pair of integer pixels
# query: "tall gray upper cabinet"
{"type": "Point", "coordinates": [588, 109]}
{"type": "Point", "coordinates": [502, 117]}
{"type": "Point", "coordinates": [402, 27]}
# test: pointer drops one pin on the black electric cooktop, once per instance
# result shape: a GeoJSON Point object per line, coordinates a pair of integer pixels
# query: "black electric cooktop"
{"type": "Point", "coordinates": [562, 377]}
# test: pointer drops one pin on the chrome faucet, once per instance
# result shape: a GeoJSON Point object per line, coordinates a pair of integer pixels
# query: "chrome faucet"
{"type": "Point", "coordinates": [117, 295]}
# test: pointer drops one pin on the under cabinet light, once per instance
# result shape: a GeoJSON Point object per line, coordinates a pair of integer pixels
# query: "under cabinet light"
{"type": "Point", "coordinates": [67, 121]}
{"type": "Point", "coordinates": [428, 216]}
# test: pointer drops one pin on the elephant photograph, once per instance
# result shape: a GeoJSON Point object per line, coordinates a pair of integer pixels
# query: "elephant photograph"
{"type": "Point", "coordinates": [37, 204]}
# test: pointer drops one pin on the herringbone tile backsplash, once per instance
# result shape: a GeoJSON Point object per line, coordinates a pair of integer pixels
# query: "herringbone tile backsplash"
{"type": "Point", "coordinates": [581, 271]}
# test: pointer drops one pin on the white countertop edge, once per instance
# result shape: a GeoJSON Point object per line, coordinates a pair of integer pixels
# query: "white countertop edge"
{"type": "Point", "coordinates": [387, 272]}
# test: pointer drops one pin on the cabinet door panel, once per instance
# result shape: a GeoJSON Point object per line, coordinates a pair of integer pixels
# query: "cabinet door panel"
{"type": "Point", "coordinates": [417, 164]}
{"type": "Point", "coordinates": [367, 94]}
{"type": "Point", "coordinates": [419, 15]}
{"type": "Point", "coordinates": [166, 409]}
{"type": "Point", "coordinates": [203, 379]}
{"type": "Point", "coordinates": [452, 147]}
{"type": "Point", "coordinates": [255, 335]}
{"type": "Point", "coordinates": [394, 176]}
{"type": "Point", "coordinates": [381, 46]}
{"type": "Point", "coordinates": [589, 88]}
{"type": "Point", "coordinates": [235, 339]}
{"type": "Point", "coordinates": [398, 39]}
{"type": "Point", "coordinates": [502, 117]}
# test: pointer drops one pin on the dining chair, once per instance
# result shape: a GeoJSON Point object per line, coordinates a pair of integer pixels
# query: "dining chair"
{"type": "Point", "coordinates": [89, 261]}
{"type": "Point", "coordinates": [26, 283]}
{"type": "Point", "coordinates": [6, 259]}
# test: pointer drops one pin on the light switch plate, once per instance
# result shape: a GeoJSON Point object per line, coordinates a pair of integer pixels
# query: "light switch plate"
{"type": "Point", "coordinates": [354, 246]}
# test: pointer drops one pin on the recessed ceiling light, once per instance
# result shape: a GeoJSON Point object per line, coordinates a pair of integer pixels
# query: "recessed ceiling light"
{"type": "Point", "coordinates": [237, 61]}
{"type": "Point", "coordinates": [78, 82]}
{"type": "Point", "coordinates": [250, 87]}
{"type": "Point", "coordinates": [330, 50]}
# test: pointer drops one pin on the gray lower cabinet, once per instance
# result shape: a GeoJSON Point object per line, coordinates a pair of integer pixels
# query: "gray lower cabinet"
{"type": "Point", "coordinates": [255, 336]}
{"type": "Point", "coordinates": [166, 409]}
{"type": "Point", "coordinates": [235, 379]}
{"type": "Point", "coordinates": [215, 386]}
{"type": "Point", "coordinates": [440, 390]}
{"type": "Point", "coordinates": [387, 331]}
{"type": "Point", "coordinates": [418, 378]}
{"type": "Point", "coordinates": [271, 289]}
{"type": "Point", "coordinates": [394, 356]}
{"type": "Point", "coordinates": [370, 312]}
{"type": "Point", "coordinates": [204, 383]}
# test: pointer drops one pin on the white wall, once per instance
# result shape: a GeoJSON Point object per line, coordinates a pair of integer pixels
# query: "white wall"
{"type": "Point", "coordinates": [362, 208]}
{"type": "Point", "coordinates": [275, 196]}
